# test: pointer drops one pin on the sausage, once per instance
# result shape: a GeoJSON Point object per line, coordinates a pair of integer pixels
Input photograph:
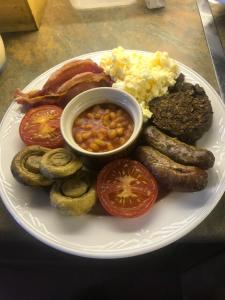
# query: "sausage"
{"type": "Point", "coordinates": [177, 150]}
{"type": "Point", "coordinates": [171, 174]}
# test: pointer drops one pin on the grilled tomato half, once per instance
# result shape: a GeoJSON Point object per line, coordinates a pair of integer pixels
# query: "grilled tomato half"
{"type": "Point", "coordinates": [126, 188]}
{"type": "Point", "coordinates": [41, 126]}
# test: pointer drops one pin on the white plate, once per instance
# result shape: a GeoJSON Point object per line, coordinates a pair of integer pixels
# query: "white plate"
{"type": "Point", "coordinates": [104, 236]}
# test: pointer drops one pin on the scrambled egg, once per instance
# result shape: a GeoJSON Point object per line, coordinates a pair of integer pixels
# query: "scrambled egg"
{"type": "Point", "coordinates": [145, 76]}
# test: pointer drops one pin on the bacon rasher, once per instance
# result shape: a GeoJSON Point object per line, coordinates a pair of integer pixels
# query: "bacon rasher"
{"type": "Point", "coordinates": [68, 71]}
{"type": "Point", "coordinates": [69, 89]}
{"type": "Point", "coordinates": [65, 83]}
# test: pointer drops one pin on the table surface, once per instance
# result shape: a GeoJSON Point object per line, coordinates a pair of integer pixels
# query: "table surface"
{"type": "Point", "coordinates": [66, 32]}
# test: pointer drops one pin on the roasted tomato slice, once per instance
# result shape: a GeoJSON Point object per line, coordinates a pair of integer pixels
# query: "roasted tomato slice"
{"type": "Point", "coordinates": [125, 188]}
{"type": "Point", "coordinates": [41, 126]}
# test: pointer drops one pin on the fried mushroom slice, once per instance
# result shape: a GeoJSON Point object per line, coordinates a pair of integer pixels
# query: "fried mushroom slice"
{"type": "Point", "coordinates": [59, 163]}
{"type": "Point", "coordinates": [75, 195]}
{"type": "Point", "coordinates": [25, 166]}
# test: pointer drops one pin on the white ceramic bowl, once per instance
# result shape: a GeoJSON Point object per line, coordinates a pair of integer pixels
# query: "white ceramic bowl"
{"type": "Point", "coordinates": [98, 96]}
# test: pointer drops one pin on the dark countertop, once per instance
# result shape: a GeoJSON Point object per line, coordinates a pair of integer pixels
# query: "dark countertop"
{"type": "Point", "coordinates": [66, 33]}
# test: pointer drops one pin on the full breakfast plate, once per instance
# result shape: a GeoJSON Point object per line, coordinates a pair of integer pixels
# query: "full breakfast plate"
{"type": "Point", "coordinates": [103, 236]}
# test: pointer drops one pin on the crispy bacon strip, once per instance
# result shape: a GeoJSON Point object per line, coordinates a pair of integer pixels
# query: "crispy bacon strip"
{"type": "Point", "coordinates": [31, 99]}
{"type": "Point", "coordinates": [49, 93]}
{"type": "Point", "coordinates": [68, 71]}
{"type": "Point", "coordinates": [68, 90]}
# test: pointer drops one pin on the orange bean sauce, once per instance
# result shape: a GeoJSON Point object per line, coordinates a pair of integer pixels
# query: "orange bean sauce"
{"type": "Point", "coordinates": [102, 128]}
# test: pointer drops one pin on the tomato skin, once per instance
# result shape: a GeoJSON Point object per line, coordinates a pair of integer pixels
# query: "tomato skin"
{"type": "Point", "coordinates": [125, 188]}
{"type": "Point", "coordinates": [41, 126]}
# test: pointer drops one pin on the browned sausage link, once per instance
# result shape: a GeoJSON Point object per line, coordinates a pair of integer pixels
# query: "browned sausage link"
{"type": "Point", "coordinates": [171, 174]}
{"type": "Point", "coordinates": [177, 150]}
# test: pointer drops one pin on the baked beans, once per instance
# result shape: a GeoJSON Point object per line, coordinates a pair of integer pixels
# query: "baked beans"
{"type": "Point", "coordinates": [102, 127]}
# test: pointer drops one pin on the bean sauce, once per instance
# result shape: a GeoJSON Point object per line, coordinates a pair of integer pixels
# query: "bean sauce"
{"type": "Point", "coordinates": [102, 127]}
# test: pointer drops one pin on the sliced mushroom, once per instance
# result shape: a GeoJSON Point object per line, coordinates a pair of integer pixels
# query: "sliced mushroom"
{"type": "Point", "coordinates": [59, 163]}
{"type": "Point", "coordinates": [75, 195]}
{"type": "Point", "coordinates": [74, 187]}
{"type": "Point", "coordinates": [25, 166]}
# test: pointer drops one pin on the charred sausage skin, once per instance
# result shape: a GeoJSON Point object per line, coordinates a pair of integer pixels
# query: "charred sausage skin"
{"type": "Point", "coordinates": [177, 150]}
{"type": "Point", "coordinates": [171, 174]}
